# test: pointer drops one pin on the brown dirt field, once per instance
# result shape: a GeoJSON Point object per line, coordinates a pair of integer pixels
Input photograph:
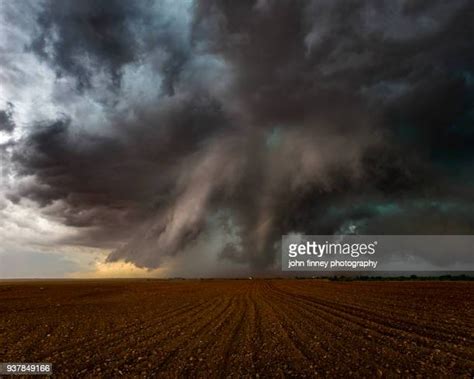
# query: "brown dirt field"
{"type": "Point", "coordinates": [221, 328]}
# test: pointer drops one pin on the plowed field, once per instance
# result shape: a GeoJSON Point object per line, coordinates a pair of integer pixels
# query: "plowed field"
{"type": "Point", "coordinates": [221, 328]}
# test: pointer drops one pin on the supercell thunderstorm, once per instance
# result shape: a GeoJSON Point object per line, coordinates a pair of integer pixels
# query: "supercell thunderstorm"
{"type": "Point", "coordinates": [145, 126]}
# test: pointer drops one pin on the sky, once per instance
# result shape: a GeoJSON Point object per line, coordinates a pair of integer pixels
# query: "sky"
{"type": "Point", "coordinates": [170, 138]}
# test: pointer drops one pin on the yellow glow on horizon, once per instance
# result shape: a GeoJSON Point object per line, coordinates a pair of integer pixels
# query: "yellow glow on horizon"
{"type": "Point", "coordinates": [119, 270]}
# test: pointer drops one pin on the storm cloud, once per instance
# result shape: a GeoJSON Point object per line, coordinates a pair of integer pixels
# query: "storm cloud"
{"type": "Point", "coordinates": [245, 120]}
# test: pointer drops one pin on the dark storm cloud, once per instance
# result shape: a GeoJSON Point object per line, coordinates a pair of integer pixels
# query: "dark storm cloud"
{"type": "Point", "coordinates": [86, 37]}
{"type": "Point", "coordinates": [6, 119]}
{"type": "Point", "coordinates": [114, 181]}
{"type": "Point", "coordinates": [324, 104]}
{"type": "Point", "coordinates": [73, 33]}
